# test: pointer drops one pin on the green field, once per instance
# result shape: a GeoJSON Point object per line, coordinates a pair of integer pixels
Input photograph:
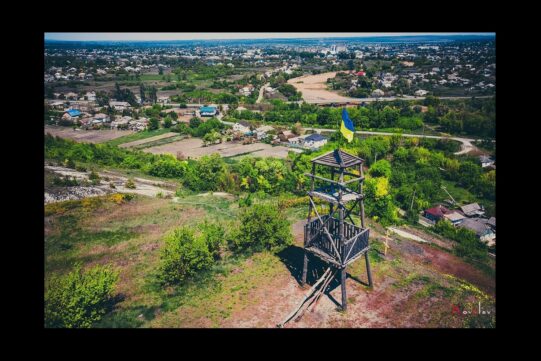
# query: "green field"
{"type": "Point", "coordinates": [138, 136]}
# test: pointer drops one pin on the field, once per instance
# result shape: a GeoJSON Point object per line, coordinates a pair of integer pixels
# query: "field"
{"type": "Point", "coordinates": [89, 136]}
{"type": "Point", "coordinates": [415, 285]}
{"type": "Point", "coordinates": [314, 89]}
{"type": "Point", "coordinates": [139, 142]}
{"type": "Point", "coordinates": [193, 148]}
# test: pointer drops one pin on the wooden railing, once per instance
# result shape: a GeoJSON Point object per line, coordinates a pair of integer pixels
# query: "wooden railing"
{"type": "Point", "coordinates": [355, 238]}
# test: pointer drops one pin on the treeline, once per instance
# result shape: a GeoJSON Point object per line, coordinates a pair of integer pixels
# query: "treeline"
{"type": "Point", "coordinates": [475, 116]}
{"type": "Point", "coordinates": [403, 172]}
{"type": "Point", "coordinates": [374, 115]}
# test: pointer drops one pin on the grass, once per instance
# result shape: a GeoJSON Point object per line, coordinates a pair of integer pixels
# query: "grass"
{"type": "Point", "coordinates": [137, 136]}
{"type": "Point", "coordinates": [158, 142]}
{"type": "Point", "coordinates": [129, 235]}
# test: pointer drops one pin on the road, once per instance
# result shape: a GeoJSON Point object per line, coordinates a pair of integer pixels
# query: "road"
{"type": "Point", "coordinates": [466, 143]}
{"type": "Point", "coordinates": [261, 91]}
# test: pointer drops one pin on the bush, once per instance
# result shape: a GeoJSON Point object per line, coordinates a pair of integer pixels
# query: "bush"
{"type": "Point", "coordinates": [262, 227]}
{"type": "Point", "coordinates": [184, 254]}
{"type": "Point", "coordinates": [79, 299]}
{"type": "Point", "coordinates": [130, 184]}
{"type": "Point", "coordinates": [94, 178]}
{"type": "Point", "coordinates": [168, 167]}
{"type": "Point", "coordinates": [213, 233]}
{"type": "Point", "coordinates": [381, 168]}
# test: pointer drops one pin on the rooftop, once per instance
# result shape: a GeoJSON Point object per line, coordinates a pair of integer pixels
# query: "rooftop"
{"type": "Point", "coordinates": [338, 159]}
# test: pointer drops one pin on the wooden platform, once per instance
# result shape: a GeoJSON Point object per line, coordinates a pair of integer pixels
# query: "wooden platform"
{"type": "Point", "coordinates": [333, 197]}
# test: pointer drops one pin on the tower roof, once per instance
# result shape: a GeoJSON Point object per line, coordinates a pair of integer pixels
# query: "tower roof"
{"type": "Point", "coordinates": [338, 159]}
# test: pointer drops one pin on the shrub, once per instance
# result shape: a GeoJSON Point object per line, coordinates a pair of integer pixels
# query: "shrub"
{"type": "Point", "coordinates": [262, 227]}
{"type": "Point", "coordinates": [184, 254]}
{"type": "Point", "coordinates": [213, 233]}
{"type": "Point", "coordinates": [94, 177]}
{"type": "Point", "coordinates": [381, 168]}
{"type": "Point", "coordinates": [79, 299]}
{"type": "Point", "coordinates": [130, 184]}
{"type": "Point", "coordinates": [168, 167]}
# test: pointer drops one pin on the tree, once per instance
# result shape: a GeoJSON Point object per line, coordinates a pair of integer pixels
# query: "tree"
{"type": "Point", "coordinates": [381, 168]}
{"type": "Point", "coordinates": [195, 122]}
{"type": "Point", "coordinates": [167, 122]}
{"type": "Point", "coordinates": [142, 92]}
{"type": "Point", "coordinates": [153, 123]}
{"type": "Point", "coordinates": [80, 298]}
{"type": "Point", "coordinates": [262, 227]}
{"type": "Point", "coordinates": [184, 254]}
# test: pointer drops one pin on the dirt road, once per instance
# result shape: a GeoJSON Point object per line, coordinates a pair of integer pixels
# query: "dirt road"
{"type": "Point", "coordinates": [146, 187]}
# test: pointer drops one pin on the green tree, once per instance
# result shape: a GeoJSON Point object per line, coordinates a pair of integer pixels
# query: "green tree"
{"type": "Point", "coordinates": [183, 255]}
{"type": "Point", "coordinates": [262, 227]}
{"type": "Point", "coordinates": [153, 123]}
{"type": "Point", "coordinates": [80, 298]}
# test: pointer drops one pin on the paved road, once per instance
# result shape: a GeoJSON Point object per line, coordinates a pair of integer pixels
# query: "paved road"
{"type": "Point", "coordinates": [467, 145]}
{"type": "Point", "coordinates": [368, 100]}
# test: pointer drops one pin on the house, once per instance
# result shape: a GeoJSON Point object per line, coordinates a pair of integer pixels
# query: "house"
{"type": "Point", "coordinates": [481, 228]}
{"type": "Point", "coordinates": [263, 131]}
{"type": "Point", "coordinates": [297, 140]}
{"type": "Point", "coordinates": [242, 127]}
{"type": "Point", "coordinates": [314, 141]}
{"type": "Point", "coordinates": [436, 213]}
{"type": "Point", "coordinates": [472, 210]}
{"type": "Point", "coordinates": [378, 93]}
{"type": "Point", "coordinates": [486, 161]}
{"type": "Point", "coordinates": [121, 122]}
{"type": "Point", "coordinates": [492, 223]}
{"type": "Point", "coordinates": [285, 135]}
{"type": "Point", "coordinates": [90, 96]}
{"type": "Point", "coordinates": [247, 90]}
{"type": "Point", "coordinates": [454, 217]}
{"type": "Point", "coordinates": [361, 73]}
{"type": "Point", "coordinates": [73, 113]}
{"type": "Point", "coordinates": [71, 96]}
{"type": "Point", "coordinates": [119, 105]}
{"type": "Point", "coordinates": [163, 100]}
{"type": "Point", "coordinates": [207, 111]}
{"type": "Point", "coordinates": [420, 93]}
{"type": "Point", "coordinates": [101, 118]}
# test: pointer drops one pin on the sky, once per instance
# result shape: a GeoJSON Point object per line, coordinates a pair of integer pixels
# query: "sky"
{"type": "Point", "coordinates": [207, 36]}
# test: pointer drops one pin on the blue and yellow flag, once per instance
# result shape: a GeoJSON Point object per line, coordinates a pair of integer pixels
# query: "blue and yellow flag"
{"type": "Point", "coordinates": [346, 128]}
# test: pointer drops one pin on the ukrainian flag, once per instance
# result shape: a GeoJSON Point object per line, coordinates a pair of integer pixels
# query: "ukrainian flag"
{"type": "Point", "coordinates": [346, 128]}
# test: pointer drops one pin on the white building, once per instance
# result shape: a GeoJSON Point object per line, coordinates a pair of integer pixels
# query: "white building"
{"type": "Point", "coordinates": [242, 127]}
{"type": "Point", "coordinates": [263, 131]}
{"type": "Point", "coordinates": [420, 93]}
{"type": "Point", "coordinates": [119, 105]}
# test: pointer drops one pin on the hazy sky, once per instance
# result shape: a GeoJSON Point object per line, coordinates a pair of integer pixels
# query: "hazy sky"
{"type": "Point", "coordinates": [197, 36]}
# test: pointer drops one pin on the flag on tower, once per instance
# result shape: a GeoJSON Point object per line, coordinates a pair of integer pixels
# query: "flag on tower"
{"type": "Point", "coordinates": [346, 128]}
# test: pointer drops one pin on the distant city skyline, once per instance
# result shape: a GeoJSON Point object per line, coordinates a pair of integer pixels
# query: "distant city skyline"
{"type": "Point", "coordinates": [223, 36]}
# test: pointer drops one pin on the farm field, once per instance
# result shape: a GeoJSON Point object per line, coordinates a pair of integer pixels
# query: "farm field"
{"type": "Point", "coordinates": [89, 136]}
{"type": "Point", "coordinates": [415, 285]}
{"type": "Point", "coordinates": [193, 148]}
{"type": "Point", "coordinates": [148, 140]}
{"type": "Point", "coordinates": [314, 89]}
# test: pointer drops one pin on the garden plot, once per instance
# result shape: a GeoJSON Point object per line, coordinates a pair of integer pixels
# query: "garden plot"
{"type": "Point", "coordinates": [89, 136]}
{"type": "Point", "coordinates": [193, 148]}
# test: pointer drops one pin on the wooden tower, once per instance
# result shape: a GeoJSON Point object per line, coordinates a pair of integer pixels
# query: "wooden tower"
{"type": "Point", "coordinates": [330, 236]}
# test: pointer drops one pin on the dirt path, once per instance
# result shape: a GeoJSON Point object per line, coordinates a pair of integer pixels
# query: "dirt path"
{"type": "Point", "coordinates": [146, 187]}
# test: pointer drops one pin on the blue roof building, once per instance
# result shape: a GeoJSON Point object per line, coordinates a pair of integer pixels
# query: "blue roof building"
{"type": "Point", "coordinates": [207, 111]}
{"type": "Point", "coordinates": [315, 138]}
{"type": "Point", "coordinates": [73, 112]}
